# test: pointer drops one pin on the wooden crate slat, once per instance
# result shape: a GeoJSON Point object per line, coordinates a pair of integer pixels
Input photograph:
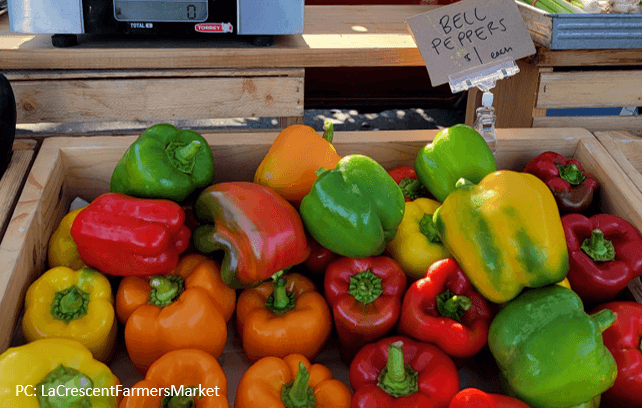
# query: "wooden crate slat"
{"type": "Point", "coordinates": [592, 123]}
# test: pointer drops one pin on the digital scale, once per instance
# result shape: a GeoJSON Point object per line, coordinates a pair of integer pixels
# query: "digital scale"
{"type": "Point", "coordinates": [65, 19]}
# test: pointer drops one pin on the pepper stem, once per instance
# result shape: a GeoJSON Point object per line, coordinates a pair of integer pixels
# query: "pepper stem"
{"type": "Point", "coordinates": [571, 173]}
{"type": "Point", "coordinates": [320, 171]}
{"type": "Point", "coordinates": [604, 318]}
{"type": "Point", "coordinates": [181, 400]}
{"type": "Point", "coordinates": [452, 305]}
{"type": "Point", "coordinates": [50, 396]}
{"type": "Point", "coordinates": [298, 393]}
{"type": "Point", "coordinates": [328, 131]}
{"type": "Point", "coordinates": [462, 182]}
{"type": "Point", "coordinates": [281, 300]}
{"type": "Point", "coordinates": [165, 290]}
{"type": "Point", "coordinates": [598, 248]}
{"type": "Point", "coordinates": [365, 287]}
{"type": "Point", "coordinates": [411, 188]}
{"type": "Point", "coordinates": [396, 378]}
{"type": "Point", "coordinates": [427, 228]}
{"type": "Point", "coordinates": [182, 156]}
{"type": "Point", "coordinates": [70, 304]}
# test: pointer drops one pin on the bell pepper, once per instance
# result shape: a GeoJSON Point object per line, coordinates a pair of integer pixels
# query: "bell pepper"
{"type": "Point", "coordinates": [122, 235]}
{"type": "Point", "coordinates": [31, 376]}
{"type": "Point", "coordinates": [456, 152]}
{"type": "Point", "coordinates": [411, 187]}
{"type": "Point", "coordinates": [572, 187]}
{"type": "Point", "coordinates": [78, 305]}
{"type": "Point", "coordinates": [399, 372]}
{"type": "Point", "coordinates": [281, 317]}
{"type": "Point", "coordinates": [291, 382]}
{"type": "Point", "coordinates": [417, 244]}
{"type": "Point", "coordinates": [259, 231]}
{"type": "Point", "coordinates": [62, 250]}
{"type": "Point", "coordinates": [319, 258]}
{"type": "Point", "coordinates": [196, 377]}
{"type": "Point", "coordinates": [505, 232]}
{"type": "Point", "coordinates": [475, 398]}
{"type": "Point", "coordinates": [289, 168]}
{"type": "Point", "coordinates": [188, 308]}
{"type": "Point", "coordinates": [549, 351]}
{"type": "Point", "coordinates": [605, 253]}
{"type": "Point", "coordinates": [355, 209]}
{"type": "Point", "coordinates": [624, 340]}
{"type": "Point", "coordinates": [443, 308]}
{"type": "Point", "coordinates": [164, 162]}
{"type": "Point", "coordinates": [365, 295]}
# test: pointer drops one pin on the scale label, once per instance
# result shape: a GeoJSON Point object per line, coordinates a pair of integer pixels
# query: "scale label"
{"type": "Point", "coordinates": [467, 34]}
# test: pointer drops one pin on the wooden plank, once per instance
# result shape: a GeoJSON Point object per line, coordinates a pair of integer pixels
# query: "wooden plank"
{"type": "Point", "coordinates": [538, 24]}
{"type": "Point", "coordinates": [592, 123]}
{"type": "Point", "coordinates": [626, 150]}
{"type": "Point", "coordinates": [580, 58]}
{"type": "Point", "coordinates": [13, 179]}
{"type": "Point", "coordinates": [156, 99]}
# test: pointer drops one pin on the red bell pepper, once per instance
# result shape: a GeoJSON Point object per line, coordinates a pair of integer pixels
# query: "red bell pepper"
{"type": "Point", "coordinates": [122, 235]}
{"type": "Point", "coordinates": [572, 187]}
{"type": "Point", "coordinates": [444, 308]}
{"type": "Point", "coordinates": [398, 372]}
{"type": "Point", "coordinates": [365, 295]}
{"type": "Point", "coordinates": [605, 253]}
{"type": "Point", "coordinates": [475, 398]}
{"type": "Point", "coordinates": [319, 258]}
{"type": "Point", "coordinates": [411, 187]}
{"type": "Point", "coordinates": [623, 341]}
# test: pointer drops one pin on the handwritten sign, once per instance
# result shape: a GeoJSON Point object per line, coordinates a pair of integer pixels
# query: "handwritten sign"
{"type": "Point", "coordinates": [467, 34]}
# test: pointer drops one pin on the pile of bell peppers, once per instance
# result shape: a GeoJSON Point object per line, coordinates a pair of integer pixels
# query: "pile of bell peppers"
{"type": "Point", "coordinates": [410, 273]}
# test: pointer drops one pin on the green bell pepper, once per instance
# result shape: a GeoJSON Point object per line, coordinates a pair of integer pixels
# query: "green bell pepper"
{"type": "Point", "coordinates": [550, 351]}
{"type": "Point", "coordinates": [164, 162]}
{"type": "Point", "coordinates": [353, 210]}
{"type": "Point", "coordinates": [456, 152]}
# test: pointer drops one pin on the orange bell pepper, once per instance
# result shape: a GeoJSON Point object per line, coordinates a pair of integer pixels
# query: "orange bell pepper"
{"type": "Point", "coordinates": [282, 317]}
{"type": "Point", "coordinates": [290, 382]}
{"type": "Point", "coordinates": [289, 168]}
{"type": "Point", "coordinates": [188, 308]}
{"type": "Point", "coordinates": [196, 376]}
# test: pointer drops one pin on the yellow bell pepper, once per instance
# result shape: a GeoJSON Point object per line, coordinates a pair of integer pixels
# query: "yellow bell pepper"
{"type": "Point", "coordinates": [62, 249]}
{"type": "Point", "coordinates": [72, 304]}
{"type": "Point", "coordinates": [417, 245]}
{"type": "Point", "coordinates": [44, 374]}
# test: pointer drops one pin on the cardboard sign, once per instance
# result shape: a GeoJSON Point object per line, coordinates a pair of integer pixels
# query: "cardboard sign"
{"type": "Point", "coordinates": [467, 34]}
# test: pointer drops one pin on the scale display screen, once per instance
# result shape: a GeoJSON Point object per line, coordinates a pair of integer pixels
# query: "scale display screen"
{"type": "Point", "coordinates": [160, 10]}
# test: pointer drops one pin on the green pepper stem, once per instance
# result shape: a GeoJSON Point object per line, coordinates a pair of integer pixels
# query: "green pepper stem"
{"type": "Point", "coordinates": [598, 248]}
{"type": "Point", "coordinates": [411, 187]}
{"type": "Point", "coordinates": [328, 131]}
{"type": "Point", "coordinates": [365, 287]}
{"type": "Point", "coordinates": [427, 228]}
{"type": "Point", "coordinates": [604, 318]}
{"type": "Point", "coordinates": [70, 304]}
{"type": "Point", "coordinates": [320, 171]}
{"type": "Point", "coordinates": [280, 301]}
{"type": "Point", "coordinates": [396, 378]}
{"type": "Point", "coordinates": [182, 156]}
{"type": "Point", "coordinates": [68, 378]}
{"type": "Point", "coordinates": [186, 153]}
{"type": "Point", "coordinates": [182, 400]}
{"type": "Point", "coordinates": [463, 183]}
{"type": "Point", "coordinates": [298, 394]}
{"type": "Point", "coordinates": [571, 173]}
{"type": "Point", "coordinates": [165, 290]}
{"type": "Point", "coordinates": [452, 305]}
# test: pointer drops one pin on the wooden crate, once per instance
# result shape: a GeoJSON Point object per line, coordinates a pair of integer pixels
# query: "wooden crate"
{"type": "Point", "coordinates": [81, 166]}
{"type": "Point", "coordinates": [14, 178]}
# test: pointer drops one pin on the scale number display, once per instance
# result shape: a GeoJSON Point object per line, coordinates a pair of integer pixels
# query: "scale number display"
{"type": "Point", "coordinates": [161, 10]}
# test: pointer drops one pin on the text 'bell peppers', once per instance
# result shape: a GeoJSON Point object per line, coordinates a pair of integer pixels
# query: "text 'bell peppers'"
{"type": "Point", "coordinates": [443, 308]}
{"type": "Point", "coordinates": [365, 295]}
{"type": "Point", "coordinates": [187, 309]}
{"type": "Point", "coordinates": [605, 253]}
{"type": "Point", "coordinates": [476, 398]}
{"type": "Point", "coordinates": [31, 374]}
{"type": "Point", "coordinates": [549, 351]}
{"type": "Point", "coordinates": [289, 168]}
{"type": "Point", "coordinates": [259, 231]}
{"type": "Point", "coordinates": [164, 162]}
{"type": "Point", "coordinates": [398, 372]}
{"type": "Point", "coordinates": [417, 244]}
{"type": "Point", "coordinates": [281, 317]}
{"type": "Point", "coordinates": [62, 250]}
{"type": "Point", "coordinates": [122, 235]}
{"type": "Point", "coordinates": [411, 187]}
{"type": "Point", "coordinates": [196, 376]}
{"type": "Point", "coordinates": [624, 341]}
{"type": "Point", "coordinates": [456, 152]}
{"type": "Point", "coordinates": [355, 209]}
{"type": "Point", "coordinates": [505, 232]}
{"type": "Point", "coordinates": [572, 187]}
{"type": "Point", "coordinates": [72, 304]}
